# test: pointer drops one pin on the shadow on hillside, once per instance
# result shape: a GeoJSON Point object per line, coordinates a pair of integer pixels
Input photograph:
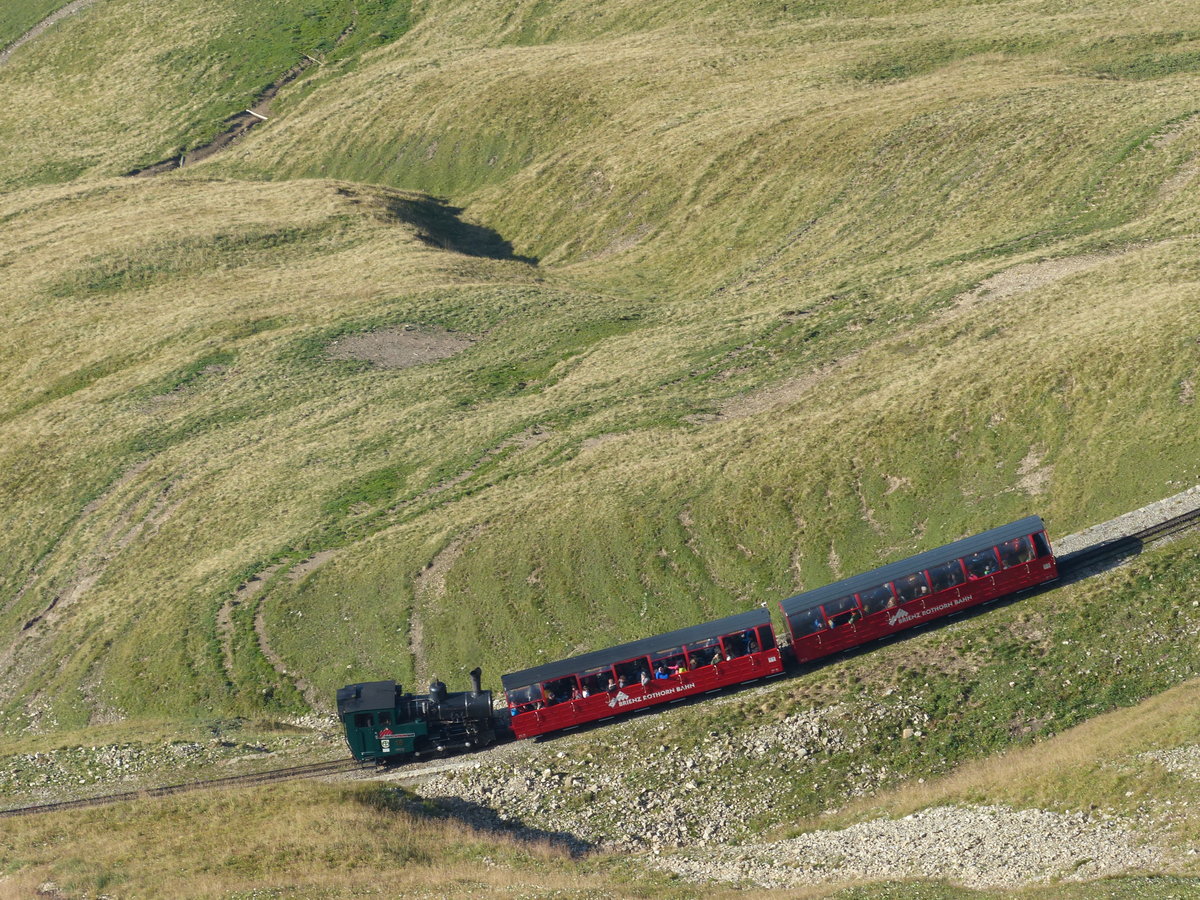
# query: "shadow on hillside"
{"type": "Point", "coordinates": [438, 224]}
{"type": "Point", "coordinates": [486, 819]}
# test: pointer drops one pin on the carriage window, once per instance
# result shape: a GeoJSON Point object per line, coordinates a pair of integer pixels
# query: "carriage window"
{"type": "Point", "coordinates": [1041, 543]}
{"type": "Point", "coordinates": [667, 662]}
{"type": "Point", "coordinates": [946, 576]}
{"type": "Point", "coordinates": [523, 696]}
{"type": "Point", "coordinates": [559, 690]}
{"type": "Point", "coordinates": [362, 720]}
{"type": "Point", "coordinates": [1017, 551]}
{"type": "Point", "coordinates": [876, 598]}
{"type": "Point", "coordinates": [843, 611]}
{"type": "Point", "coordinates": [631, 671]}
{"type": "Point", "coordinates": [910, 587]}
{"type": "Point", "coordinates": [593, 681]}
{"type": "Point", "coordinates": [809, 621]}
{"type": "Point", "coordinates": [981, 564]}
{"type": "Point", "coordinates": [701, 653]}
{"type": "Point", "coordinates": [840, 605]}
{"type": "Point", "coordinates": [766, 637]}
{"type": "Point", "coordinates": [739, 645]}
{"type": "Point", "coordinates": [385, 719]}
{"type": "Point", "coordinates": [742, 643]}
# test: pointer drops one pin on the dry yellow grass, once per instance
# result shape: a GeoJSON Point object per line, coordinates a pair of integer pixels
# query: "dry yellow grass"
{"type": "Point", "coordinates": [309, 840]}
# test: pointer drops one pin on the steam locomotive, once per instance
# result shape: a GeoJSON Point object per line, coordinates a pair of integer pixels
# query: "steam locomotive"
{"type": "Point", "coordinates": [383, 723]}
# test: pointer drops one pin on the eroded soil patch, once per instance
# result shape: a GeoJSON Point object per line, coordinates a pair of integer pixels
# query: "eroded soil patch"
{"type": "Point", "coordinates": [235, 126]}
{"type": "Point", "coordinates": [400, 347]}
{"type": "Point", "coordinates": [1026, 277]}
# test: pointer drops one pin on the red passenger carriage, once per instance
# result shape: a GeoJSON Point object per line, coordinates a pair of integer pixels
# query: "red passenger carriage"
{"type": "Point", "coordinates": [641, 674]}
{"type": "Point", "coordinates": [919, 589]}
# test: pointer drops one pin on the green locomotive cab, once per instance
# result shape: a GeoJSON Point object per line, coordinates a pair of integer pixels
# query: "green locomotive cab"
{"type": "Point", "coordinates": [375, 723]}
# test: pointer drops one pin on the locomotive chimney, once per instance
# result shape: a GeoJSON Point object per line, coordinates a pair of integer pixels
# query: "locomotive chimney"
{"type": "Point", "coordinates": [476, 687]}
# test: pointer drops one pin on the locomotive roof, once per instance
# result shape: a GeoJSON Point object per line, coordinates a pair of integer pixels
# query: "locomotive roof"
{"type": "Point", "coordinates": [807, 600]}
{"type": "Point", "coordinates": [368, 695]}
{"type": "Point", "coordinates": [622, 652]}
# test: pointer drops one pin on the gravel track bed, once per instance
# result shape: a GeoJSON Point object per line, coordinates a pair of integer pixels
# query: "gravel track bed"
{"type": "Point", "coordinates": [1130, 523]}
{"type": "Point", "coordinates": [1183, 761]}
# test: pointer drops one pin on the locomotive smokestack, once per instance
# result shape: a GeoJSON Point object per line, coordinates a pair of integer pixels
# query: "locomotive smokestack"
{"type": "Point", "coordinates": [476, 686]}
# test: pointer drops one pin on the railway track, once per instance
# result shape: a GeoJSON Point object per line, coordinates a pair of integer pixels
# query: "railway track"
{"type": "Point", "coordinates": [314, 770]}
{"type": "Point", "coordinates": [1081, 563]}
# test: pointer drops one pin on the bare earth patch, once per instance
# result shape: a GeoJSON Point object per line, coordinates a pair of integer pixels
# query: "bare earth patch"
{"type": "Point", "coordinates": [1028, 277]}
{"type": "Point", "coordinates": [400, 347]}
{"type": "Point", "coordinates": [598, 440]}
{"type": "Point", "coordinates": [1174, 132]}
{"type": "Point", "coordinates": [1034, 475]}
{"type": "Point", "coordinates": [780, 394]}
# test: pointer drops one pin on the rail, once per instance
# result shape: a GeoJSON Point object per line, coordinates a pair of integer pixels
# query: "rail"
{"type": "Point", "coordinates": [292, 773]}
{"type": "Point", "coordinates": [1075, 564]}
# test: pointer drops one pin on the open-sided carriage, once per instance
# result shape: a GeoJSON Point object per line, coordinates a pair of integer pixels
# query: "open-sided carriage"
{"type": "Point", "coordinates": [919, 589]}
{"type": "Point", "coordinates": [643, 673]}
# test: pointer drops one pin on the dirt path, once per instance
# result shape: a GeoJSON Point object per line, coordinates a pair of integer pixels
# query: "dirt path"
{"type": "Point", "coordinates": [239, 123]}
{"type": "Point", "coordinates": [251, 592]}
{"type": "Point", "coordinates": [245, 593]}
{"type": "Point", "coordinates": [307, 691]}
{"type": "Point", "coordinates": [41, 26]}
{"type": "Point", "coordinates": [138, 516]}
{"type": "Point", "coordinates": [1026, 277]}
{"type": "Point", "coordinates": [235, 127]}
{"type": "Point", "coordinates": [429, 587]}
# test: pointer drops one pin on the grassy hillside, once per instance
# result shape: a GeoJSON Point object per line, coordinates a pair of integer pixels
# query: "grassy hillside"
{"type": "Point", "coordinates": [757, 298]}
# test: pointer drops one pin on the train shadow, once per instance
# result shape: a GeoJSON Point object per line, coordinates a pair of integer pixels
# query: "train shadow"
{"type": "Point", "coordinates": [1096, 558]}
{"type": "Point", "coordinates": [483, 818]}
